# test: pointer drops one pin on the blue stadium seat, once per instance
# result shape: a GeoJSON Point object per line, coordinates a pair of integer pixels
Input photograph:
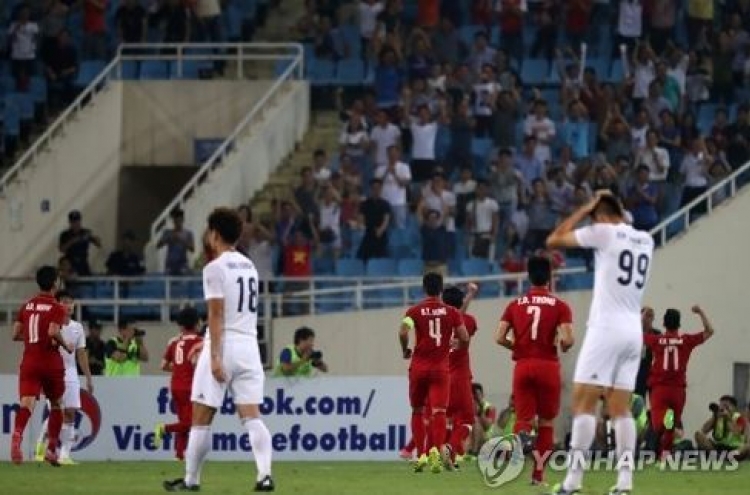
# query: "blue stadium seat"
{"type": "Point", "coordinates": [103, 290]}
{"type": "Point", "coordinates": [349, 40]}
{"type": "Point", "coordinates": [180, 289]}
{"type": "Point", "coordinates": [129, 70]}
{"type": "Point", "coordinates": [280, 66]}
{"type": "Point", "coordinates": [11, 119]}
{"type": "Point", "coordinates": [87, 72]}
{"type": "Point", "coordinates": [323, 266]}
{"type": "Point", "coordinates": [350, 268]}
{"type": "Point", "coordinates": [350, 72]}
{"type": "Point", "coordinates": [476, 267]}
{"type": "Point", "coordinates": [321, 72]}
{"type": "Point", "coordinates": [154, 70]}
{"type": "Point", "coordinates": [147, 289]}
{"type": "Point", "coordinates": [381, 267]}
{"type": "Point", "coordinates": [25, 104]}
{"type": "Point", "coordinates": [410, 267]}
{"type": "Point", "coordinates": [617, 71]}
{"type": "Point", "coordinates": [535, 71]}
{"type": "Point", "coordinates": [190, 69]}
{"type": "Point", "coordinates": [578, 281]}
{"type": "Point", "coordinates": [38, 89]}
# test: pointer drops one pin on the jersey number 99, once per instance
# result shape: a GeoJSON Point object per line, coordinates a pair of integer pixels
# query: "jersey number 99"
{"type": "Point", "coordinates": [631, 267]}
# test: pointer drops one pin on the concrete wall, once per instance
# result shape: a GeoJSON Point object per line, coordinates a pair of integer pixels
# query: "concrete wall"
{"type": "Point", "coordinates": [160, 119]}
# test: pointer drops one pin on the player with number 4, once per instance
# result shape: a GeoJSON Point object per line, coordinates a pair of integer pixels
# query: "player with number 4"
{"type": "Point", "coordinates": [437, 326]}
{"type": "Point", "coordinates": [667, 379]}
{"type": "Point", "coordinates": [538, 322]}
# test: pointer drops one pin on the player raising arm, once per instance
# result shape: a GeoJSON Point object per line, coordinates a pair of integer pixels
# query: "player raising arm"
{"type": "Point", "coordinates": [535, 320]}
{"type": "Point", "coordinates": [230, 359]}
{"type": "Point", "coordinates": [668, 376]}
{"type": "Point", "coordinates": [435, 324]}
{"type": "Point", "coordinates": [38, 325]}
{"type": "Point", "coordinates": [611, 351]}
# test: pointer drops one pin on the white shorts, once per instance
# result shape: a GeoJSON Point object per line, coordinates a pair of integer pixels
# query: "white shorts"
{"type": "Point", "coordinates": [609, 358]}
{"type": "Point", "coordinates": [71, 399]}
{"type": "Point", "coordinates": [242, 367]}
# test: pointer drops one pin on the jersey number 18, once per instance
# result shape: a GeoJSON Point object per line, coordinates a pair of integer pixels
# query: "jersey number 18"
{"type": "Point", "coordinates": [252, 295]}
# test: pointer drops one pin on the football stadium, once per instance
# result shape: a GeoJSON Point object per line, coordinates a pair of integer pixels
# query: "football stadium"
{"type": "Point", "coordinates": [347, 246]}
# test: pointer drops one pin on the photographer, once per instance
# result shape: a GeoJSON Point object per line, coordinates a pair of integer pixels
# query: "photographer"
{"type": "Point", "coordinates": [301, 358]}
{"type": "Point", "coordinates": [125, 352]}
{"type": "Point", "coordinates": [726, 427]}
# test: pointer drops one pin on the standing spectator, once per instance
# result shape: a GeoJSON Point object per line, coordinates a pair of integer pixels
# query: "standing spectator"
{"type": "Point", "coordinates": [375, 215]}
{"type": "Point", "coordinates": [125, 262]}
{"type": "Point", "coordinates": [297, 263]}
{"type": "Point", "coordinates": [388, 79]}
{"type": "Point", "coordinates": [306, 196]}
{"type": "Point", "coordinates": [694, 170]}
{"type": "Point", "coordinates": [131, 22]}
{"type": "Point", "coordinates": [95, 29]}
{"type": "Point", "coordinates": [629, 23]}
{"type": "Point", "coordinates": [507, 184]}
{"type": "Point", "coordinates": [125, 352]}
{"type": "Point", "coordinates": [74, 244]}
{"type": "Point", "coordinates": [61, 69]}
{"type": "Point", "coordinates": [527, 162]}
{"type": "Point", "coordinates": [542, 219]}
{"type": "Point", "coordinates": [320, 169]}
{"type": "Point", "coordinates": [484, 95]}
{"type": "Point", "coordinates": [738, 138]}
{"type": "Point", "coordinates": [656, 159]}
{"type": "Point", "coordinates": [382, 136]}
{"type": "Point", "coordinates": [643, 70]}
{"type": "Point", "coordinates": [642, 200]}
{"type": "Point", "coordinates": [481, 53]}
{"type": "Point", "coordinates": [663, 17]}
{"type": "Point", "coordinates": [368, 23]}
{"type": "Point", "coordinates": [175, 20]}
{"type": "Point", "coordinates": [354, 140]}
{"type": "Point", "coordinates": [511, 14]}
{"type": "Point", "coordinates": [179, 242]}
{"type": "Point", "coordinates": [435, 249]}
{"type": "Point", "coordinates": [424, 132]}
{"type": "Point", "coordinates": [246, 215]}
{"type": "Point", "coordinates": [575, 130]}
{"type": "Point", "coordinates": [616, 136]}
{"type": "Point", "coordinates": [208, 14]}
{"type": "Point", "coordinates": [54, 20]}
{"type": "Point", "coordinates": [420, 61]}
{"type": "Point", "coordinates": [329, 231]}
{"type": "Point", "coordinates": [507, 113]}
{"type": "Point", "coordinates": [435, 196]}
{"type": "Point", "coordinates": [561, 193]}
{"type": "Point", "coordinates": [482, 222]}
{"type": "Point", "coordinates": [639, 129]}
{"type": "Point", "coordinates": [350, 174]}
{"type": "Point", "coordinates": [542, 128]}
{"type": "Point", "coordinates": [464, 190]}
{"type": "Point", "coordinates": [96, 348]}
{"type": "Point", "coordinates": [260, 250]}
{"type": "Point", "coordinates": [447, 44]}
{"type": "Point", "coordinates": [700, 17]}
{"type": "Point", "coordinates": [287, 220]}
{"type": "Point", "coordinates": [547, 22]}
{"type": "Point", "coordinates": [23, 35]}
{"type": "Point", "coordinates": [461, 131]}
{"type": "Point", "coordinates": [656, 102]}
{"type": "Point", "coordinates": [396, 177]}
{"type": "Point", "coordinates": [577, 21]}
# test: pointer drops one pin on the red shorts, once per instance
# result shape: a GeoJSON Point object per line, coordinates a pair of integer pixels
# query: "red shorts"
{"type": "Point", "coordinates": [429, 387]}
{"type": "Point", "coordinates": [183, 406]}
{"type": "Point", "coordinates": [33, 379]}
{"type": "Point", "coordinates": [664, 397]}
{"type": "Point", "coordinates": [536, 389]}
{"type": "Point", "coordinates": [461, 401]}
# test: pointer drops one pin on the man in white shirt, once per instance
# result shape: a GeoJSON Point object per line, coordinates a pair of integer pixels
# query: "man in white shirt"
{"type": "Point", "coordinates": [654, 157]}
{"type": "Point", "coordinates": [368, 20]}
{"type": "Point", "coordinates": [22, 37]}
{"type": "Point", "coordinates": [541, 127]}
{"type": "Point", "coordinates": [73, 333]}
{"type": "Point", "coordinates": [230, 359]}
{"type": "Point", "coordinates": [630, 21]}
{"type": "Point", "coordinates": [610, 356]}
{"type": "Point", "coordinates": [382, 136]}
{"type": "Point", "coordinates": [396, 176]}
{"type": "Point", "coordinates": [482, 220]}
{"type": "Point", "coordinates": [321, 170]}
{"type": "Point", "coordinates": [694, 170]}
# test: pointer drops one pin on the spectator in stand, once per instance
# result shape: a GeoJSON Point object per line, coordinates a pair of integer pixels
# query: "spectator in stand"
{"type": "Point", "coordinates": [329, 231]}
{"type": "Point", "coordinates": [700, 16]}
{"type": "Point", "coordinates": [95, 348]}
{"type": "Point", "coordinates": [738, 138]}
{"type": "Point", "coordinates": [324, 43]}
{"type": "Point", "coordinates": [375, 215]}
{"type": "Point", "coordinates": [67, 274]}
{"type": "Point", "coordinates": [61, 69]}
{"type": "Point", "coordinates": [577, 21]}
{"type": "Point", "coordinates": [669, 137]}
{"type": "Point", "coordinates": [541, 217]}
{"type": "Point", "coordinates": [368, 22]}
{"type": "Point", "coordinates": [656, 159]}
{"type": "Point", "coordinates": [260, 250]}
{"type": "Point", "coordinates": [351, 175]}
{"type": "Point", "coordinates": [22, 36]}
{"type": "Point", "coordinates": [447, 44]}
{"type": "Point", "coordinates": [482, 222]}
{"type": "Point", "coordinates": [424, 132]}
{"type": "Point", "coordinates": [656, 103]}
{"type": "Point", "coordinates": [615, 135]}
{"type": "Point", "coordinates": [420, 61]}
{"type": "Point", "coordinates": [131, 22]}
{"type": "Point", "coordinates": [435, 243]}
{"type": "Point", "coordinates": [436, 196]}
{"type": "Point", "coordinates": [484, 95]}
{"type": "Point", "coordinates": [396, 177]}
{"type": "Point", "coordinates": [175, 20]}
{"type": "Point", "coordinates": [642, 200]}
{"type": "Point", "coordinates": [382, 136]}
{"type": "Point", "coordinates": [575, 130]}
{"type": "Point", "coordinates": [694, 170]}
{"type": "Point", "coordinates": [297, 255]}
{"type": "Point", "coordinates": [74, 244]}
{"type": "Point", "coordinates": [287, 219]}
{"type": "Point", "coordinates": [179, 242]}
{"type": "Point", "coordinates": [717, 173]}
{"type": "Point", "coordinates": [507, 112]}
{"type": "Point", "coordinates": [527, 163]}
{"type": "Point", "coordinates": [512, 263]}
{"type": "Point", "coordinates": [355, 140]}
{"type": "Point", "coordinates": [125, 262]}
{"type": "Point", "coordinates": [507, 187]}
{"type": "Point", "coordinates": [464, 190]}
{"type": "Point", "coordinates": [638, 130]}
{"type": "Point", "coordinates": [662, 21]}
{"type": "Point", "coordinates": [306, 196]}
{"type": "Point", "coordinates": [481, 53]}
{"type": "Point", "coordinates": [511, 14]}
{"type": "Point", "coordinates": [95, 30]}
{"type": "Point", "coordinates": [629, 26]}
{"type": "Point", "coordinates": [461, 129]}
{"type": "Point", "coordinates": [246, 215]}
{"type": "Point", "coordinates": [389, 79]}
{"type": "Point", "coordinates": [52, 23]}
{"type": "Point", "coordinates": [560, 192]}
{"type": "Point", "coordinates": [320, 169]}
{"type": "Point", "coordinates": [208, 14]}
{"type": "Point", "coordinates": [542, 128]}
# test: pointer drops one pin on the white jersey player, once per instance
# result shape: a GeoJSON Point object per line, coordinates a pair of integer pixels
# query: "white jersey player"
{"type": "Point", "coordinates": [611, 351]}
{"type": "Point", "coordinates": [73, 333]}
{"type": "Point", "coordinates": [230, 359]}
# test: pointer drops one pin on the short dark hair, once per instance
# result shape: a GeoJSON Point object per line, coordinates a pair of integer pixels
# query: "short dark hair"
{"type": "Point", "coordinates": [609, 205]}
{"type": "Point", "coordinates": [477, 387]}
{"type": "Point", "coordinates": [124, 323]}
{"type": "Point", "coordinates": [539, 269]}
{"type": "Point", "coordinates": [46, 277]}
{"type": "Point", "coordinates": [177, 213]}
{"type": "Point", "coordinates": [63, 294]}
{"type": "Point", "coordinates": [730, 399]}
{"type": "Point", "coordinates": [188, 317]}
{"type": "Point", "coordinates": [303, 333]}
{"type": "Point", "coordinates": [227, 223]}
{"type": "Point", "coordinates": [453, 296]}
{"type": "Point", "coordinates": [672, 319]}
{"type": "Point", "coordinates": [432, 283]}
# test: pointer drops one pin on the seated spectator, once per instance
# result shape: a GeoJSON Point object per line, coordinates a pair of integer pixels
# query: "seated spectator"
{"type": "Point", "coordinates": [642, 200]}
{"type": "Point", "coordinates": [435, 248]}
{"type": "Point", "coordinates": [375, 215]}
{"type": "Point", "coordinates": [301, 359]}
{"type": "Point", "coordinates": [324, 44]}
{"type": "Point", "coordinates": [74, 244]}
{"type": "Point", "coordinates": [541, 217]}
{"type": "Point", "coordinates": [396, 177]}
{"type": "Point", "coordinates": [482, 222]}
{"type": "Point", "coordinates": [61, 70]}
{"type": "Point", "coordinates": [179, 242]}
{"type": "Point", "coordinates": [126, 262]}
{"type": "Point", "coordinates": [725, 429]}
{"type": "Point", "coordinates": [329, 230]}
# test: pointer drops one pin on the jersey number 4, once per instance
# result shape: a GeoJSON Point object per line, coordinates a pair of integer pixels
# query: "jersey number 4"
{"type": "Point", "coordinates": [633, 268]}
{"type": "Point", "coordinates": [252, 294]}
{"type": "Point", "coordinates": [435, 333]}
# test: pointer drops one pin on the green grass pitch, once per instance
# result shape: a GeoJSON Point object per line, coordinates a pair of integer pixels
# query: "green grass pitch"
{"type": "Point", "coordinates": [329, 478]}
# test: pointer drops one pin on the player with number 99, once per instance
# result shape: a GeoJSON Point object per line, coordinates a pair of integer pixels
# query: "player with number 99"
{"type": "Point", "coordinates": [435, 324]}
{"type": "Point", "coordinates": [535, 320]}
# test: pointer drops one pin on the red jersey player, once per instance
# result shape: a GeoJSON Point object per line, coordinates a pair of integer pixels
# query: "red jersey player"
{"type": "Point", "coordinates": [461, 401]}
{"type": "Point", "coordinates": [435, 326]}
{"type": "Point", "coordinates": [535, 320]}
{"type": "Point", "coordinates": [38, 325]}
{"type": "Point", "coordinates": [668, 376]}
{"type": "Point", "coordinates": [179, 358]}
